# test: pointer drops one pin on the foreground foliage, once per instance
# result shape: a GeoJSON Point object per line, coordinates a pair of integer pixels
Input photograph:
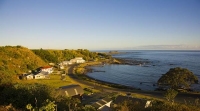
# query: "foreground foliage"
{"type": "Point", "coordinates": [35, 97]}
{"type": "Point", "coordinates": [43, 97]}
{"type": "Point", "coordinates": [156, 106]}
{"type": "Point", "coordinates": [170, 95]}
{"type": "Point", "coordinates": [19, 95]}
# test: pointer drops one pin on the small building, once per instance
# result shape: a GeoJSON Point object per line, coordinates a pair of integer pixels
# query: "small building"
{"type": "Point", "coordinates": [71, 91]}
{"type": "Point", "coordinates": [77, 60]}
{"type": "Point", "coordinates": [48, 69]}
{"type": "Point", "coordinates": [52, 64]}
{"type": "Point", "coordinates": [144, 103]}
{"type": "Point", "coordinates": [103, 104]}
{"type": "Point", "coordinates": [29, 76]}
{"type": "Point", "coordinates": [61, 67]}
{"type": "Point", "coordinates": [72, 61]}
{"type": "Point", "coordinates": [42, 75]}
{"type": "Point", "coordinates": [66, 63]}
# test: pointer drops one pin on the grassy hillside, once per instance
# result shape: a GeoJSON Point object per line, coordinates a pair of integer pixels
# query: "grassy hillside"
{"type": "Point", "coordinates": [18, 59]}
{"type": "Point", "coordinates": [57, 56]}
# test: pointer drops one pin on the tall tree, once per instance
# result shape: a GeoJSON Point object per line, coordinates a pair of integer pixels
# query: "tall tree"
{"type": "Point", "coordinates": [178, 77]}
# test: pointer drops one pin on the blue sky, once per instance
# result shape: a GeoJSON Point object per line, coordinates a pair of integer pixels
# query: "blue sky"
{"type": "Point", "coordinates": [101, 24]}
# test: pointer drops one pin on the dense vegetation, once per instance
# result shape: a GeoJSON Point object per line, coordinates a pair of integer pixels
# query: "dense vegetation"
{"type": "Point", "coordinates": [57, 56]}
{"type": "Point", "coordinates": [18, 59]}
{"type": "Point", "coordinates": [44, 98]}
{"type": "Point", "coordinates": [156, 106]}
{"type": "Point", "coordinates": [34, 96]}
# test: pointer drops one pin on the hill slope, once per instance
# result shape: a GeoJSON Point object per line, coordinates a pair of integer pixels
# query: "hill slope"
{"type": "Point", "coordinates": [18, 59]}
{"type": "Point", "coordinates": [57, 56]}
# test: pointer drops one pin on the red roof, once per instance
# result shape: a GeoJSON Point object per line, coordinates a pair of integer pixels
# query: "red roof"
{"type": "Point", "coordinates": [46, 67]}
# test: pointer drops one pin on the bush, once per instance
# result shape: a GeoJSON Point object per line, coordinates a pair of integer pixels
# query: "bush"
{"type": "Point", "coordinates": [19, 95]}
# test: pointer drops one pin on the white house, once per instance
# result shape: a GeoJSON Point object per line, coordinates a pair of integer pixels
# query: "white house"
{"type": "Point", "coordinates": [51, 64]}
{"type": "Point", "coordinates": [77, 60]}
{"type": "Point", "coordinates": [48, 69]}
{"type": "Point", "coordinates": [42, 75]}
{"type": "Point", "coordinates": [62, 67]}
{"type": "Point", "coordinates": [29, 76]}
{"type": "Point", "coordinates": [72, 61]}
{"type": "Point", "coordinates": [66, 63]}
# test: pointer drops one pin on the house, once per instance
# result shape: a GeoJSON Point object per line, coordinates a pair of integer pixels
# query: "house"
{"type": "Point", "coordinates": [71, 91]}
{"type": "Point", "coordinates": [61, 67]}
{"type": "Point", "coordinates": [72, 61]}
{"type": "Point", "coordinates": [66, 63]}
{"type": "Point", "coordinates": [42, 75]}
{"type": "Point", "coordinates": [77, 60]}
{"type": "Point", "coordinates": [52, 64]}
{"type": "Point", "coordinates": [103, 104]}
{"type": "Point", "coordinates": [48, 69]}
{"type": "Point", "coordinates": [144, 103]}
{"type": "Point", "coordinates": [29, 76]}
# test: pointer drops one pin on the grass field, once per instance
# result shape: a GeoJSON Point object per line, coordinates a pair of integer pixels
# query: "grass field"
{"type": "Point", "coordinates": [54, 81]}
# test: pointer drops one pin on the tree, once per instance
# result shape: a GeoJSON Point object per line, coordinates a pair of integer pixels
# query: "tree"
{"type": "Point", "coordinates": [178, 77]}
{"type": "Point", "coordinates": [75, 102]}
{"type": "Point", "coordinates": [88, 108]}
{"type": "Point", "coordinates": [129, 105]}
{"type": "Point", "coordinates": [48, 106]}
{"type": "Point", "coordinates": [170, 95]}
{"type": "Point", "coordinates": [29, 107]}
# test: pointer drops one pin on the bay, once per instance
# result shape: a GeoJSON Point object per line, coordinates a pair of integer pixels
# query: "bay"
{"type": "Point", "coordinates": [146, 74]}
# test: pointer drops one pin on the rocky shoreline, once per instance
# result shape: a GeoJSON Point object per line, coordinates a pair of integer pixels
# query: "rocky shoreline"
{"type": "Point", "coordinates": [131, 61]}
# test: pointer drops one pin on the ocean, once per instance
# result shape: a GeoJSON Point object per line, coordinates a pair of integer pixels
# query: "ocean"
{"type": "Point", "coordinates": [153, 65]}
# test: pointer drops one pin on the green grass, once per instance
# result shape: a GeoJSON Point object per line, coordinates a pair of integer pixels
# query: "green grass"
{"type": "Point", "coordinates": [54, 81]}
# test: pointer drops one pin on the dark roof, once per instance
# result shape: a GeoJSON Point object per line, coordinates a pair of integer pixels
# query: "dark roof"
{"type": "Point", "coordinates": [71, 90]}
{"type": "Point", "coordinates": [101, 102]}
{"type": "Point", "coordinates": [121, 99]}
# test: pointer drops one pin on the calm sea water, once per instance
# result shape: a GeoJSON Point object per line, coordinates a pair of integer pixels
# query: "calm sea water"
{"type": "Point", "coordinates": [145, 75]}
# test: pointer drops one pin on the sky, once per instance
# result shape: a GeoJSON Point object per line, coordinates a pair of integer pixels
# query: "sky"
{"type": "Point", "coordinates": [101, 24]}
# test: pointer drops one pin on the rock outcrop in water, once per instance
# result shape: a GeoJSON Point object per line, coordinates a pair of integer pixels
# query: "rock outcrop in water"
{"type": "Point", "coordinates": [132, 62]}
